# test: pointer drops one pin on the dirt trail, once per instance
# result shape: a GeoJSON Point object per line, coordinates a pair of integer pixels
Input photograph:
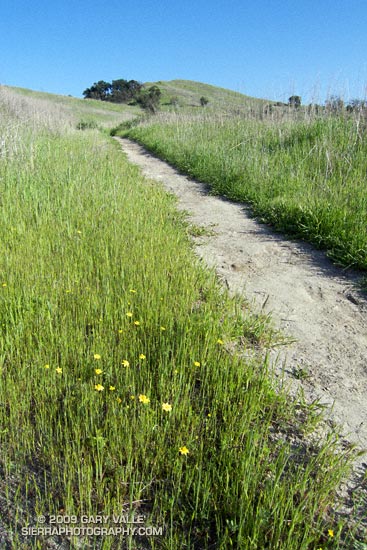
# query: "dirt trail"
{"type": "Point", "coordinates": [311, 300]}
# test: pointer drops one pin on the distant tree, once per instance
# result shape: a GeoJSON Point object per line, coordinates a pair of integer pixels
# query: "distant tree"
{"type": "Point", "coordinates": [357, 105]}
{"type": "Point", "coordinates": [204, 101]}
{"type": "Point", "coordinates": [123, 91]}
{"type": "Point", "coordinates": [334, 104]}
{"type": "Point", "coordinates": [295, 101]}
{"type": "Point", "coordinates": [88, 93]}
{"type": "Point", "coordinates": [134, 87]}
{"type": "Point", "coordinates": [100, 90]}
{"type": "Point", "coordinates": [120, 91]}
{"type": "Point", "coordinates": [150, 99]}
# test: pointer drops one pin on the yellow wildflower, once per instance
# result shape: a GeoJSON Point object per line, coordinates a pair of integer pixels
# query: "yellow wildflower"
{"type": "Point", "coordinates": [144, 399]}
{"type": "Point", "coordinates": [142, 356]}
{"type": "Point", "coordinates": [59, 370]}
{"type": "Point", "coordinates": [119, 400]}
{"type": "Point", "coordinates": [96, 356]}
{"type": "Point", "coordinates": [125, 363]}
{"type": "Point", "coordinates": [129, 314]}
{"type": "Point", "coordinates": [112, 388]}
{"type": "Point", "coordinates": [196, 363]}
{"type": "Point", "coordinates": [98, 371]}
{"type": "Point", "coordinates": [166, 407]}
{"type": "Point", "coordinates": [137, 323]}
{"type": "Point", "coordinates": [47, 366]}
{"type": "Point", "coordinates": [132, 397]}
{"type": "Point", "coordinates": [163, 328]}
{"type": "Point", "coordinates": [330, 533]}
{"type": "Point", "coordinates": [220, 342]}
{"type": "Point", "coordinates": [184, 450]}
{"type": "Point", "coordinates": [99, 387]}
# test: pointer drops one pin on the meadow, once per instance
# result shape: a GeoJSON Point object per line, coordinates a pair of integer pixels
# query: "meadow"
{"type": "Point", "coordinates": [305, 174]}
{"type": "Point", "coordinates": [123, 379]}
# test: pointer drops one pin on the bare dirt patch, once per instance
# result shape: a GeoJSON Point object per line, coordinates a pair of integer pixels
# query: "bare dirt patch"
{"type": "Point", "coordinates": [315, 303]}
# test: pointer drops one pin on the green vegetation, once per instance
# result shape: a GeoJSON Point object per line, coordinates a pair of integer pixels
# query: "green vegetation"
{"type": "Point", "coordinates": [294, 101]}
{"type": "Point", "coordinates": [119, 385]}
{"type": "Point", "coordinates": [187, 94]}
{"type": "Point", "coordinates": [124, 91]}
{"type": "Point", "coordinates": [150, 99]}
{"type": "Point", "coordinates": [306, 176]}
{"type": "Point", "coordinates": [119, 91]}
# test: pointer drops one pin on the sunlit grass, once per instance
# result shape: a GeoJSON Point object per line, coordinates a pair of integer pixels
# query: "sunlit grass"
{"type": "Point", "coordinates": [305, 177]}
{"type": "Point", "coordinates": [117, 380]}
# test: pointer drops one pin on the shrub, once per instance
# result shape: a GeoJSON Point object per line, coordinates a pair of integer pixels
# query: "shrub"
{"type": "Point", "coordinates": [294, 101]}
{"type": "Point", "coordinates": [87, 125]}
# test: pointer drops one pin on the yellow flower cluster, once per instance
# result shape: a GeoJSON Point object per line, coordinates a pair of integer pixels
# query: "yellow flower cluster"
{"type": "Point", "coordinates": [144, 399]}
{"type": "Point", "coordinates": [184, 450]}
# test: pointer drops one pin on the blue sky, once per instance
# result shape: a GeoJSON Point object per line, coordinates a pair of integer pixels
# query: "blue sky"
{"type": "Point", "coordinates": [263, 48]}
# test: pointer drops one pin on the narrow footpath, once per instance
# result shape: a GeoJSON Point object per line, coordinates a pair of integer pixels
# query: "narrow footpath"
{"type": "Point", "coordinates": [315, 303]}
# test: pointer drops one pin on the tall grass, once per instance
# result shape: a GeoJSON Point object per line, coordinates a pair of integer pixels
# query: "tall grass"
{"type": "Point", "coordinates": [306, 177]}
{"type": "Point", "coordinates": [118, 386]}
{"type": "Point", "coordinates": [80, 112]}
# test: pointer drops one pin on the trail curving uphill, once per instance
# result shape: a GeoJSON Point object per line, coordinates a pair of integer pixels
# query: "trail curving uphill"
{"type": "Point", "coordinates": [314, 302]}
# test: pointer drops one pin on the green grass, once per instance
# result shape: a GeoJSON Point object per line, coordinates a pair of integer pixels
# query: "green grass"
{"type": "Point", "coordinates": [96, 271]}
{"type": "Point", "coordinates": [305, 177]}
{"type": "Point", "coordinates": [188, 94]}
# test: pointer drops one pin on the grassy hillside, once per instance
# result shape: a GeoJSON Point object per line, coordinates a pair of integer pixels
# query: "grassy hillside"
{"type": "Point", "coordinates": [101, 113]}
{"type": "Point", "coordinates": [119, 385]}
{"type": "Point", "coordinates": [189, 93]}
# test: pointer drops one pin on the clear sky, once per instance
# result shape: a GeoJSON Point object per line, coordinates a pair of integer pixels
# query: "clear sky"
{"type": "Point", "coordinates": [264, 48]}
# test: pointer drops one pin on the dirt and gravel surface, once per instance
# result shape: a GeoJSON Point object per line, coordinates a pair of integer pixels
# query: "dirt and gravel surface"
{"type": "Point", "coordinates": [315, 303]}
